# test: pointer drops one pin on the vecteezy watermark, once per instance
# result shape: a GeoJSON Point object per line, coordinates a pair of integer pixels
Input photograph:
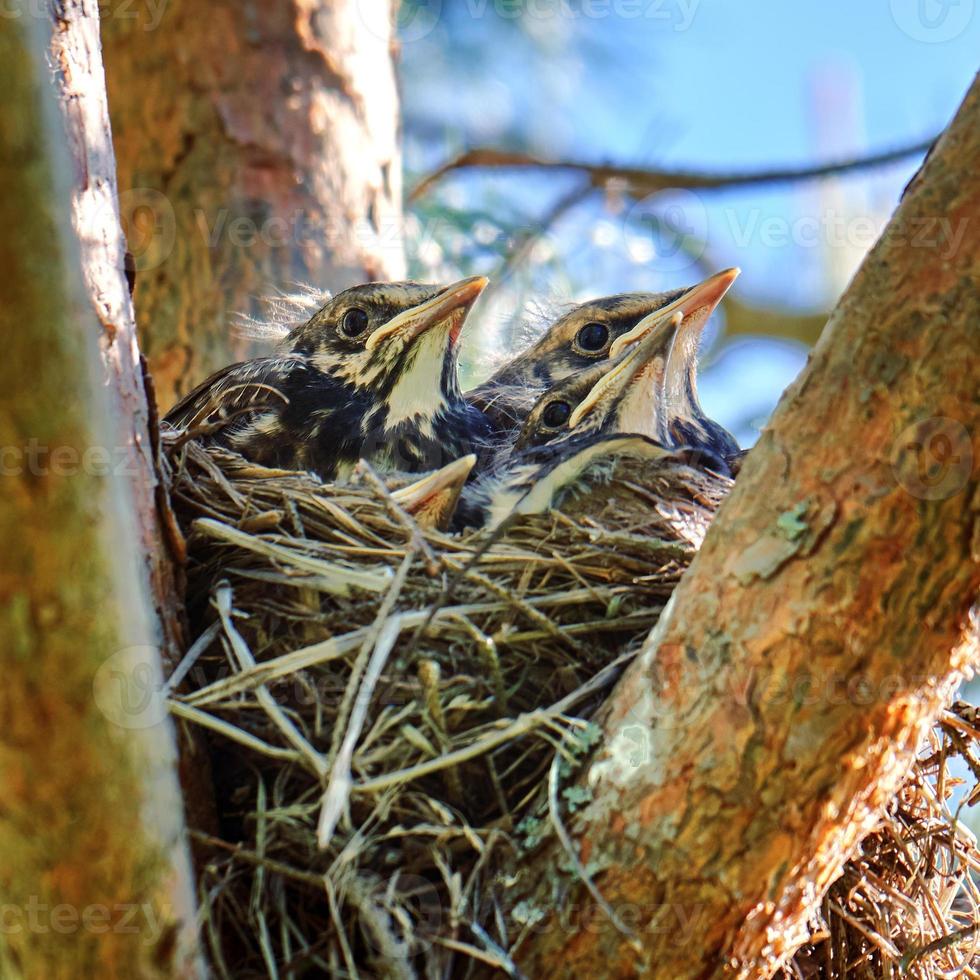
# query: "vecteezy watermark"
{"type": "Point", "coordinates": [684, 922]}
{"type": "Point", "coordinates": [748, 689]}
{"type": "Point", "coordinates": [417, 19]}
{"type": "Point", "coordinates": [128, 688]}
{"type": "Point", "coordinates": [148, 12]}
{"type": "Point", "coordinates": [150, 223]}
{"type": "Point", "coordinates": [414, 19]}
{"type": "Point", "coordinates": [669, 228]}
{"type": "Point", "coordinates": [299, 228]}
{"type": "Point", "coordinates": [679, 14]}
{"type": "Point", "coordinates": [832, 229]}
{"type": "Point", "coordinates": [150, 226]}
{"type": "Point", "coordinates": [35, 458]}
{"type": "Point", "coordinates": [35, 917]}
{"type": "Point", "coordinates": [932, 21]}
{"type": "Point", "coordinates": [933, 459]}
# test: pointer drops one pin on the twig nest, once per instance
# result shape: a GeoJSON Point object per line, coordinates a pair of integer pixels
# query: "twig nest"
{"type": "Point", "coordinates": [379, 766]}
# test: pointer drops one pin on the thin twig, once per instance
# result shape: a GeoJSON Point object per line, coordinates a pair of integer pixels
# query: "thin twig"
{"type": "Point", "coordinates": [641, 181]}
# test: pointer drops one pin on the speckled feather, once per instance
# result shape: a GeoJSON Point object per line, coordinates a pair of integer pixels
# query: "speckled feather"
{"type": "Point", "coordinates": [509, 394]}
{"type": "Point", "coordinates": [327, 401]}
{"type": "Point", "coordinates": [586, 476]}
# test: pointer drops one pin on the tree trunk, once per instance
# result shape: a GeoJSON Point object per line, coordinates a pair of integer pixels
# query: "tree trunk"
{"type": "Point", "coordinates": [257, 147]}
{"type": "Point", "coordinates": [778, 704]}
{"type": "Point", "coordinates": [94, 879]}
{"type": "Point", "coordinates": [80, 87]}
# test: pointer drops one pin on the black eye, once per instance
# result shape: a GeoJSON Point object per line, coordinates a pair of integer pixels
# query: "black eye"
{"type": "Point", "coordinates": [556, 414]}
{"type": "Point", "coordinates": [354, 322]}
{"type": "Point", "coordinates": [593, 337]}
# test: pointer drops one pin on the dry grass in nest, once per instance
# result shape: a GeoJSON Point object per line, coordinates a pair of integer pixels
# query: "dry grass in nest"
{"type": "Point", "coordinates": [417, 760]}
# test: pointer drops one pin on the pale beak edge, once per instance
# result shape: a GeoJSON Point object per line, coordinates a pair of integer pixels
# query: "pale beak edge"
{"type": "Point", "coordinates": [432, 500]}
{"type": "Point", "coordinates": [707, 294]}
{"type": "Point", "coordinates": [664, 330]}
{"type": "Point", "coordinates": [459, 296]}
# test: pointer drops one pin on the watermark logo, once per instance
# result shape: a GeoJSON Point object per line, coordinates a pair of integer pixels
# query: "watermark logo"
{"type": "Point", "coordinates": [128, 688]}
{"type": "Point", "coordinates": [124, 918]}
{"type": "Point", "coordinates": [150, 225]}
{"type": "Point", "coordinates": [932, 21]}
{"type": "Point", "coordinates": [636, 739]}
{"type": "Point", "coordinates": [414, 19]}
{"type": "Point", "coordinates": [669, 229]}
{"type": "Point", "coordinates": [933, 459]}
{"type": "Point", "coordinates": [417, 19]}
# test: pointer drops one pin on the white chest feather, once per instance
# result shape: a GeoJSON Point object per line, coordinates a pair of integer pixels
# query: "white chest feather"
{"type": "Point", "coordinates": [418, 392]}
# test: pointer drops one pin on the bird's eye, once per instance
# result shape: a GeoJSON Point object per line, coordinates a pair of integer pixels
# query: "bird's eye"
{"type": "Point", "coordinates": [593, 337]}
{"type": "Point", "coordinates": [556, 414]}
{"type": "Point", "coordinates": [354, 322]}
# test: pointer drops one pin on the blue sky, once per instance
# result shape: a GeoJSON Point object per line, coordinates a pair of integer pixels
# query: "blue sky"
{"type": "Point", "coordinates": [703, 84]}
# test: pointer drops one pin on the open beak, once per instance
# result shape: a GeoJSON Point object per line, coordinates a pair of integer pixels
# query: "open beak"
{"type": "Point", "coordinates": [701, 299]}
{"type": "Point", "coordinates": [453, 302]}
{"type": "Point", "coordinates": [432, 500]}
{"type": "Point", "coordinates": [645, 364]}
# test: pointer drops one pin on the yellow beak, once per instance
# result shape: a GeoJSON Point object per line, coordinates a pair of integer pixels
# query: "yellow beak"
{"type": "Point", "coordinates": [704, 296]}
{"type": "Point", "coordinates": [455, 299]}
{"type": "Point", "coordinates": [432, 500]}
{"type": "Point", "coordinates": [652, 349]}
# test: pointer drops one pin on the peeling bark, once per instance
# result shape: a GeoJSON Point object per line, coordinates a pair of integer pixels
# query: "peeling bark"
{"type": "Point", "coordinates": [778, 704]}
{"type": "Point", "coordinates": [257, 147]}
{"type": "Point", "coordinates": [80, 87]}
{"type": "Point", "coordinates": [94, 879]}
{"type": "Point", "coordinates": [76, 56]}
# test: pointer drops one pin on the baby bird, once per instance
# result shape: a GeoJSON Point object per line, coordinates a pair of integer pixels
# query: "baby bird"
{"type": "Point", "coordinates": [620, 480]}
{"type": "Point", "coordinates": [371, 375]}
{"type": "Point", "coordinates": [621, 395]}
{"type": "Point", "coordinates": [432, 499]}
{"type": "Point", "coordinates": [576, 424]}
{"type": "Point", "coordinates": [587, 334]}
{"type": "Point", "coordinates": [686, 422]}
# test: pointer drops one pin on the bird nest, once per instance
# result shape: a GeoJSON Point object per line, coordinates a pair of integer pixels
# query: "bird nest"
{"type": "Point", "coordinates": [381, 705]}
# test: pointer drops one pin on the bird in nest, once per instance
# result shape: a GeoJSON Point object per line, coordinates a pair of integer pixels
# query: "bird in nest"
{"type": "Point", "coordinates": [372, 375]}
{"type": "Point", "coordinates": [589, 334]}
{"type": "Point", "coordinates": [431, 500]}
{"type": "Point", "coordinates": [622, 481]}
{"type": "Point", "coordinates": [594, 445]}
{"type": "Point", "coordinates": [622, 394]}
{"type": "Point", "coordinates": [686, 422]}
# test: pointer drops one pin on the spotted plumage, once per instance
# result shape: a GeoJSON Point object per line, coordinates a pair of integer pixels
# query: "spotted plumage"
{"type": "Point", "coordinates": [371, 375]}
{"type": "Point", "coordinates": [585, 335]}
{"type": "Point", "coordinates": [625, 394]}
{"type": "Point", "coordinates": [628, 480]}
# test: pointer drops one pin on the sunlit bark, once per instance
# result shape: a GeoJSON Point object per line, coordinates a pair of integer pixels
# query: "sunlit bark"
{"type": "Point", "coordinates": [778, 703]}
{"type": "Point", "coordinates": [257, 147]}
{"type": "Point", "coordinates": [94, 876]}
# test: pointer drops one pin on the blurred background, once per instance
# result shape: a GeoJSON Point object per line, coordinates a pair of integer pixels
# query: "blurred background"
{"type": "Point", "coordinates": [693, 85]}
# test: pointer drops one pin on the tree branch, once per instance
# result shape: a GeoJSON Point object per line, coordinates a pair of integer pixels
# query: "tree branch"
{"type": "Point", "coordinates": [778, 704]}
{"type": "Point", "coordinates": [91, 825]}
{"type": "Point", "coordinates": [640, 182]}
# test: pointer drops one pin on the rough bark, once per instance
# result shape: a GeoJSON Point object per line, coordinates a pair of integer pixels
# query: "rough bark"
{"type": "Point", "coordinates": [777, 705]}
{"type": "Point", "coordinates": [257, 147]}
{"type": "Point", "coordinates": [80, 87]}
{"type": "Point", "coordinates": [79, 77]}
{"type": "Point", "coordinates": [94, 879]}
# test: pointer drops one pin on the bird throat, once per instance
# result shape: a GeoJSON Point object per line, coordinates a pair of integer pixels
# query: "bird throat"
{"type": "Point", "coordinates": [419, 390]}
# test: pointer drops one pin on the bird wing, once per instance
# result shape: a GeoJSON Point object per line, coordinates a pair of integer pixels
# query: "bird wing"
{"type": "Point", "coordinates": [236, 390]}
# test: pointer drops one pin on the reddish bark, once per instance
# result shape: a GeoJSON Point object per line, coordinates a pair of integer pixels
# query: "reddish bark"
{"type": "Point", "coordinates": [257, 147]}
{"type": "Point", "coordinates": [778, 704]}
